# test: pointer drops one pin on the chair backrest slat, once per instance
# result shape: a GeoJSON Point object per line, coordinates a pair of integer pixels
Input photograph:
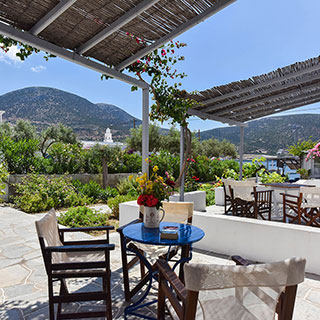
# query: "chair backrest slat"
{"type": "Point", "coordinates": [180, 212]}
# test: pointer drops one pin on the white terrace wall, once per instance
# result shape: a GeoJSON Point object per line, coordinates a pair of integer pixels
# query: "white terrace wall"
{"type": "Point", "coordinates": [113, 179]}
{"type": "Point", "coordinates": [258, 240]}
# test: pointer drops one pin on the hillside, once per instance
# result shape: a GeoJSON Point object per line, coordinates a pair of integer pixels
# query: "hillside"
{"type": "Point", "coordinates": [271, 133]}
{"type": "Point", "coordinates": [44, 106]}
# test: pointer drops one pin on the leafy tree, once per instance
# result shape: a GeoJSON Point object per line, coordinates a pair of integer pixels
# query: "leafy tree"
{"type": "Point", "coordinates": [19, 155]}
{"type": "Point", "coordinates": [301, 147]}
{"type": "Point", "coordinates": [56, 133]}
{"type": "Point", "coordinates": [5, 129]}
{"type": "Point", "coordinates": [24, 130]}
{"type": "Point", "coordinates": [135, 140]}
{"type": "Point", "coordinates": [171, 141]}
{"type": "Point", "coordinates": [215, 148]}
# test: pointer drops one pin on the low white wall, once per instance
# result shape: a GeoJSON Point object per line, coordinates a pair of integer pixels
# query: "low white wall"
{"type": "Point", "coordinates": [197, 197]}
{"type": "Point", "coordinates": [258, 240]}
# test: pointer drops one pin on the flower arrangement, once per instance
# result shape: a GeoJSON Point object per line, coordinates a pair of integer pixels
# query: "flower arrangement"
{"type": "Point", "coordinates": [314, 152]}
{"type": "Point", "coordinates": [155, 189]}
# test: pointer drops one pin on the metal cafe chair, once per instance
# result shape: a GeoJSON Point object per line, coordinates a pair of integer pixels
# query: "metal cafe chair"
{"type": "Point", "coordinates": [180, 212]}
{"type": "Point", "coordinates": [304, 208]}
{"type": "Point", "coordinates": [230, 292]}
{"type": "Point", "coordinates": [65, 260]}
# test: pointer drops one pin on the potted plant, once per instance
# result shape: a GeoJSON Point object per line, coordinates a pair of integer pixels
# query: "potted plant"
{"type": "Point", "coordinates": [153, 191]}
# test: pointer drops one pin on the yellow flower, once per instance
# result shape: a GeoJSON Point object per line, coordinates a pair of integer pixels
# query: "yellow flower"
{"type": "Point", "coordinates": [146, 159]}
{"type": "Point", "coordinates": [155, 168]}
{"type": "Point", "coordinates": [130, 177]}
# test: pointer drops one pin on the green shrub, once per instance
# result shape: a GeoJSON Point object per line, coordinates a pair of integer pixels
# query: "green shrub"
{"type": "Point", "coordinates": [210, 193]}
{"type": "Point", "coordinates": [128, 186]}
{"type": "Point", "coordinates": [38, 193]}
{"type": "Point", "coordinates": [65, 158]}
{"type": "Point", "coordinates": [271, 177]}
{"type": "Point", "coordinates": [94, 192]}
{"type": "Point", "coordinates": [113, 203]}
{"type": "Point", "coordinates": [3, 177]}
{"type": "Point", "coordinates": [83, 217]}
{"type": "Point", "coordinates": [166, 162]}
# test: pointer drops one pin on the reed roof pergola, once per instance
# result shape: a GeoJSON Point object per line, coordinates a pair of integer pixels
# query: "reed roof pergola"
{"type": "Point", "coordinates": [104, 35]}
{"type": "Point", "coordinates": [238, 102]}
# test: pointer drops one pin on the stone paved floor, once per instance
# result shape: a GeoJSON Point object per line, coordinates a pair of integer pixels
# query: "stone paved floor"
{"type": "Point", "coordinates": [23, 282]}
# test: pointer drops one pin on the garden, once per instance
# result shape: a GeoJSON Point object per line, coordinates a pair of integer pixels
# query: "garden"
{"type": "Point", "coordinates": [46, 182]}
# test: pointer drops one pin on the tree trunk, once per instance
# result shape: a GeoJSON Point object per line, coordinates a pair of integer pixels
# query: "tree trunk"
{"type": "Point", "coordinates": [104, 173]}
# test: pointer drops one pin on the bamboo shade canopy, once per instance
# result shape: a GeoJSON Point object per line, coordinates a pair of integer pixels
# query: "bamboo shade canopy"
{"type": "Point", "coordinates": [286, 88]}
{"type": "Point", "coordinates": [123, 21]}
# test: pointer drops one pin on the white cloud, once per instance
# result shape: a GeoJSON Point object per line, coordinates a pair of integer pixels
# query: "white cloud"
{"type": "Point", "coordinates": [10, 56]}
{"type": "Point", "coordinates": [38, 68]}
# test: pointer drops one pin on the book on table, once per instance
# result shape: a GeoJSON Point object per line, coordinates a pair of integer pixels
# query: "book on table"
{"type": "Point", "coordinates": [169, 232]}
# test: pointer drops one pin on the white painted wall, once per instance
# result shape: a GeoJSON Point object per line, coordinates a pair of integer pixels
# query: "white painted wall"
{"type": "Point", "coordinates": [197, 197]}
{"type": "Point", "coordinates": [258, 240]}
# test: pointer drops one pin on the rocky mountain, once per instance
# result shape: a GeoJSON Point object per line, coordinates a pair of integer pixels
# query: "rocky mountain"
{"type": "Point", "coordinates": [270, 134]}
{"type": "Point", "coordinates": [44, 106]}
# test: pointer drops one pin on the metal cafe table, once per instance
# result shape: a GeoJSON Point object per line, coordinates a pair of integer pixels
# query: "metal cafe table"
{"type": "Point", "coordinates": [187, 235]}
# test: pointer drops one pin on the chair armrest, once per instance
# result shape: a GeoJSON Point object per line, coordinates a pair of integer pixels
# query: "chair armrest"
{"type": "Point", "coordinates": [81, 248]}
{"type": "Point", "coordinates": [243, 262]}
{"type": "Point", "coordinates": [128, 224]}
{"type": "Point", "coordinates": [84, 229]}
{"type": "Point", "coordinates": [167, 273]}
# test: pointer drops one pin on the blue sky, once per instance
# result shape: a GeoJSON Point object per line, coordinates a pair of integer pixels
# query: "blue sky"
{"type": "Point", "coordinates": [248, 38]}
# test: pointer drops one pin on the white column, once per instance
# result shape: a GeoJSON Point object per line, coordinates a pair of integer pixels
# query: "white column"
{"type": "Point", "coordinates": [181, 198]}
{"type": "Point", "coordinates": [241, 151]}
{"type": "Point", "coordinates": [145, 129]}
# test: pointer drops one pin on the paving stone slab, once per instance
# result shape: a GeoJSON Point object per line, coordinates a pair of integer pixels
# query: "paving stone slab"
{"type": "Point", "coordinates": [12, 275]}
{"type": "Point", "coordinates": [11, 314]}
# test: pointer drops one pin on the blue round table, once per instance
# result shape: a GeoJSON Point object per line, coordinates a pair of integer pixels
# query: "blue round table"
{"type": "Point", "coordinates": [187, 235]}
